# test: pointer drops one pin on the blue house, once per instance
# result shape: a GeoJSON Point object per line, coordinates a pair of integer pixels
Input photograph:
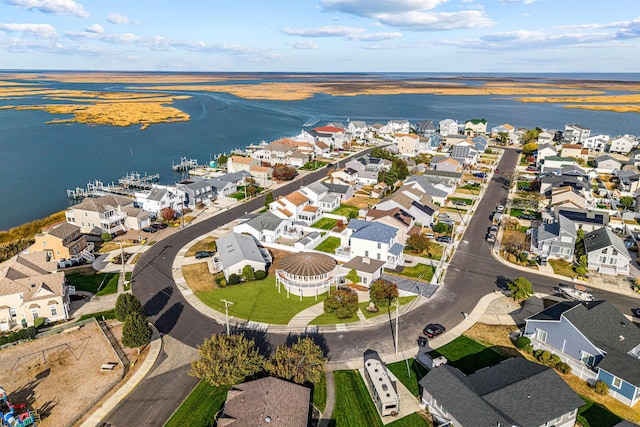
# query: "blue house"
{"type": "Point", "coordinates": [480, 142]}
{"type": "Point", "coordinates": [596, 340]}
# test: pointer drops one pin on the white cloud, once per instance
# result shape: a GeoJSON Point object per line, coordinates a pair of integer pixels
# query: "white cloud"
{"type": "Point", "coordinates": [303, 44]}
{"type": "Point", "coordinates": [350, 33]}
{"type": "Point", "coordinates": [95, 28]}
{"type": "Point", "coordinates": [437, 21]}
{"type": "Point", "coordinates": [116, 18]}
{"type": "Point", "coordinates": [375, 37]}
{"type": "Point", "coordinates": [517, 1]}
{"type": "Point", "coordinates": [56, 7]}
{"type": "Point", "coordinates": [124, 38]}
{"type": "Point", "coordinates": [371, 8]}
{"type": "Point", "coordinates": [40, 31]}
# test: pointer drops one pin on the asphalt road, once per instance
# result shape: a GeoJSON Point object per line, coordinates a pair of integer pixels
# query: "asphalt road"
{"type": "Point", "coordinates": [472, 273]}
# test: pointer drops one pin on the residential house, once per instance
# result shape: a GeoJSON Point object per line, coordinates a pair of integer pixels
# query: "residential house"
{"type": "Point", "coordinates": [344, 192]}
{"type": "Point", "coordinates": [63, 241]}
{"type": "Point", "coordinates": [299, 159]}
{"type": "Point", "coordinates": [296, 207]}
{"type": "Point", "coordinates": [480, 143]}
{"type": "Point", "coordinates": [429, 144]}
{"type": "Point", "coordinates": [504, 128]}
{"type": "Point", "coordinates": [585, 219]}
{"type": "Point", "coordinates": [266, 401]}
{"type": "Point", "coordinates": [412, 201]}
{"type": "Point", "coordinates": [545, 150]}
{"type": "Point", "coordinates": [330, 135]}
{"type": "Point", "coordinates": [554, 164]}
{"type": "Point", "coordinates": [262, 174]}
{"type": "Point", "coordinates": [453, 139]}
{"type": "Point", "coordinates": [439, 188]}
{"type": "Point", "coordinates": [465, 152]}
{"type": "Point", "coordinates": [367, 168]}
{"type": "Point", "coordinates": [634, 157]}
{"type": "Point", "coordinates": [31, 288]}
{"type": "Point", "coordinates": [596, 143]}
{"type": "Point", "coordinates": [378, 130]}
{"type": "Point", "coordinates": [274, 153]}
{"type": "Point", "coordinates": [474, 127]}
{"type": "Point", "coordinates": [107, 214]}
{"type": "Point", "coordinates": [396, 217]}
{"type": "Point", "coordinates": [596, 340]}
{"type": "Point", "coordinates": [426, 128]}
{"type": "Point", "coordinates": [321, 197]}
{"type": "Point", "coordinates": [629, 180]}
{"type": "Point", "coordinates": [357, 129]}
{"type": "Point", "coordinates": [407, 143]}
{"type": "Point", "coordinates": [546, 137]}
{"type": "Point", "coordinates": [447, 164]}
{"type": "Point", "coordinates": [516, 392]}
{"type": "Point", "coordinates": [201, 191]}
{"type": "Point", "coordinates": [399, 126]}
{"type": "Point", "coordinates": [607, 163]}
{"type": "Point", "coordinates": [372, 240]}
{"type": "Point", "coordinates": [379, 190]}
{"type": "Point", "coordinates": [348, 176]}
{"type": "Point", "coordinates": [554, 240]}
{"type": "Point", "coordinates": [575, 133]}
{"type": "Point", "coordinates": [606, 252]}
{"type": "Point", "coordinates": [568, 197]}
{"type": "Point", "coordinates": [579, 183]}
{"type": "Point", "coordinates": [448, 127]}
{"type": "Point", "coordinates": [239, 163]}
{"type": "Point", "coordinates": [235, 251]}
{"type": "Point", "coordinates": [368, 270]}
{"type": "Point", "coordinates": [266, 227]}
{"type": "Point", "coordinates": [156, 199]}
{"type": "Point", "coordinates": [573, 150]}
{"type": "Point", "coordinates": [622, 144]}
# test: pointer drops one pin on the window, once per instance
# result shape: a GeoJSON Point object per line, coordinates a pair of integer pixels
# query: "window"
{"type": "Point", "coordinates": [54, 310]}
{"type": "Point", "coordinates": [602, 260]}
{"type": "Point", "coordinates": [366, 254]}
{"type": "Point", "coordinates": [566, 239]}
{"type": "Point", "coordinates": [614, 253]}
{"type": "Point", "coordinates": [617, 382]}
{"type": "Point", "coordinates": [378, 256]}
{"type": "Point", "coordinates": [541, 335]}
{"type": "Point", "coordinates": [587, 358]}
{"type": "Point", "coordinates": [35, 314]}
{"type": "Point", "coordinates": [604, 251]}
{"type": "Point", "coordinates": [379, 245]}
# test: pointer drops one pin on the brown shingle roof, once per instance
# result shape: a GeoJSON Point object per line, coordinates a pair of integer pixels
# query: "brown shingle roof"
{"type": "Point", "coordinates": [103, 203]}
{"type": "Point", "coordinates": [297, 198]}
{"type": "Point", "coordinates": [242, 160]}
{"type": "Point", "coordinates": [63, 230]}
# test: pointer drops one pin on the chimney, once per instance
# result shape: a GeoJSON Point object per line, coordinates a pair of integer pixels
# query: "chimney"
{"type": "Point", "coordinates": [365, 260]}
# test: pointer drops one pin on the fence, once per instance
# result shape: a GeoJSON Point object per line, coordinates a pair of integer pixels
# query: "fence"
{"type": "Point", "coordinates": [578, 369]}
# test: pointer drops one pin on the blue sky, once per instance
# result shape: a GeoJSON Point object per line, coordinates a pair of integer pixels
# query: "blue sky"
{"type": "Point", "coordinates": [322, 35]}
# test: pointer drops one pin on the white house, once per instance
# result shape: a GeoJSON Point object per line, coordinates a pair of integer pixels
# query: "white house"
{"type": "Point", "coordinates": [546, 150]}
{"type": "Point", "coordinates": [475, 127]}
{"type": "Point", "coordinates": [606, 252]}
{"type": "Point", "coordinates": [107, 214]}
{"type": "Point", "coordinates": [236, 251]}
{"type": "Point", "coordinates": [607, 163]}
{"type": "Point", "coordinates": [330, 135]}
{"type": "Point", "coordinates": [575, 133]}
{"type": "Point", "coordinates": [357, 129]}
{"type": "Point", "coordinates": [296, 207]}
{"type": "Point", "coordinates": [158, 198]}
{"type": "Point", "coordinates": [448, 127]}
{"type": "Point", "coordinates": [266, 227]}
{"type": "Point", "coordinates": [407, 143]}
{"type": "Point", "coordinates": [320, 196]}
{"type": "Point", "coordinates": [399, 126]}
{"type": "Point", "coordinates": [372, 240]}
{"type": "Point", "coordinates": [546, 137]}
{"type": "Point", "coordinates": [622, 144]}
{"type": "Point", "coordinates": [597, 143]}
{"type": "Point", "coordinates": [368, 270]}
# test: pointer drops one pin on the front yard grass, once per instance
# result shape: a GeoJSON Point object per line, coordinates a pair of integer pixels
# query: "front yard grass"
{"type": "Point", "coordinates": [200, 407]}
{"type": "Point", "coordinates": [460, 199]}
{"type": "Point", "coordinates": [434, 251]}
{"type": "Point", "coordinates": [346, 210]}
{"type": "Point", "coordinates": [258, 301]}
{"type": "Point", "coordinates": [592, 414]}
{"type": "Point", "coordinates": [399, 369]}
{"type": "Point", "coordinates": [325, 224]}
{"type": "Point", "coordinates": [207, 244]}
{"type": "Point", "coordinates": [563, 268]}
{"type": "Point", "coordinates": [424, 270]}
{"type": "Point", "coordinates": [89, 280]}
{"type": "Point", "coordinates": [468, 355]}
{"type": "Point", "coordinates": [329, 245]}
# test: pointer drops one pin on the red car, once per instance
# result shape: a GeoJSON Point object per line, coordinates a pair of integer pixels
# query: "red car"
{"type": "Point", "coordinates": [432, 330]}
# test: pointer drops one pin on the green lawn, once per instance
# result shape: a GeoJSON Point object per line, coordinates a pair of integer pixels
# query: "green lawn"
{"type": "Point", "coordinates": [258, 301]}
{"type": "Point", "coordinates": [468, 355]}
{"type": "Point", "coordinates": [329, 245]}
{"type": "Point", "coordinates": [424, 270]}
{"type": "Point", "coordinates": [460, 199]}
{"type": "Point", "coordinates": [108, 315]}
{"type": "Point", "coordinates": [107, 283]}
{"type": "Point", "coordinates": [346, 210]}
{"type": "Point", "coordinates": [564, 268]}
{"type": "Point", "coordinates": [200, 407]}
{"type": "Point", "coordinates": [330, 319]}
{"type": "Point", "coordinates": [592, 414]}
{"type": "Point", "coordinates": [383, 310]}
{"type": "Point", "coordinates": [325, 223]}
{"type": "Point", "coordinates": [320, 394]}
{"type": "Point", "coordinates": [434, 251]}
{"type": "Point", "coordinates": [312, 166]}
{"type": "Point", "coordinates": [418, 371]}
{"type": "Point", "coordinates": [354, 407]}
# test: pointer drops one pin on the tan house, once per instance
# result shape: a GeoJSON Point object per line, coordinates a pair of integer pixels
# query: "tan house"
{"type": "Point", "coordinates": [239, 163]}
{"type": "Point", "coordinates": [574, 150]}
{"type": "Point", "coordinates": [261, 173]}
{"type": "Point", "coordinates": [63, 241]}
{"type": "Point", "coordinates": [107, 214]}
{"type": "Point", "coordinates": [407, 143]}
{"type": "Point", "coordinates": [31, 288]}
{"type": "Point", "coordinates": [567, 197]}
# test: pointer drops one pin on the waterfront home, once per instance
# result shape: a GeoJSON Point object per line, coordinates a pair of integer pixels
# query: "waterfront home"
{"type": "Point", "coordinates": [198, 191]}
{"type": "Point", "coordinates": [266, 401]}
{"type": "Point", "coordinates": [407, 143]}
{"type": "Point", "coordinates": [448, 127]}
{"type": "Point", "coordinates": [107, 214]}
{"type": "Point", "coordinates": [357, 129]}
{"type": "Point", "coordinates": [465, 153]}
{"type": "Point", "coordinates": [368, 270]}
{"type": "Point", "coordinates": [267, 227]}
{"type": "Point", "coordinates": [274, 153]}
{"type": "Point", "coordinates": [596, 340]}
{"type": "Point", "coordinates": [453, 139]}
{"type": "Point", "coordinates": [63, 241]}
{"type": "Point", "coordinates": [596, 143]}
{"type": "Point", "coordinates": [504, 128]}
{"type": "Point", "coordinates": [296, 207]}
{"type": "Point", "coordinates": [623, 144]}
{"type": "Point", "coordinates": [425, 128]}
{"type": "Point", "coordinates": [399, 126]}
{"type": "Point", "coordinates": [575, 133]}
{"type": "Point", "coordinates": [474, 127]}
{"type": "Point", "coordinates": [414, 201]}
{"type": "Point", "coordinates": [372, 240]}
{"type": "Point", "coordinates": [574, 150]}
{"type": "Point", "coordinates": [330, 135]}
{"type": "Point", "coordinates": [545, 150]}
{"type": "Point", "coordinates": [554, 240]}
{"type": "Point", "coordinates": [239, 163]}
{"type": "Point", "coordinates": [515, 392]}
{"type": "Point", "coordinates": [235, 251]}
{"type": "Point", "coordinates": [607, 163]}
{"type": "Point", "coordinates": [554, 164]}
{"type": "Point", "coordinates": [320, 196]}
{"type": "Point", "coordinates": [397, 218]}
{"type": "Point", "coordinates": [31, 288]}
{"type": "Point", "coordinates": [606, 252]}
{"type": "Point", "coordinates": [158, 198]}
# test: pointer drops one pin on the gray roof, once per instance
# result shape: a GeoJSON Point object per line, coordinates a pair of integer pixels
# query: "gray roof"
{"type": "Point", "coordinates": [566, 181]}
{"type": "Point", "coordinates": [427, 186]}
{"type": "Point", "coordinates": [358, 264]}
{"type": "Point", "coordinates": [234, 248]}
{"type": "Point", "coordinates": [606, 157]}
{"type": "Point", "coordinates": [316, 187]}
{"type": "Point", "coordinates": [577, 126]}
{"type": "Point", "coordinates": [235, 176]}
{"type": "Point", "coordinates": [396, 249]}
{"type": "Point", "coordinates": [336, 188]}
{"type": "Point", "coordinates": [373, 231]}
{"type": "Point", "coordinates": [625, 423]}
{"type": "Point", "coordinates": [265, 221]}
{"type": "Point", "coordinates": [602, 238]}
{"type": "Point", "coordinates": [156, 194]}
{"type": "Point", "coordinates": [552, 231]}
{"type": "Point", "coordinates": [440, 174]}
{"type": "Point", "coordinates": [547, 145]}
{"type": "Point", "coordinates": [359, 123]}
{"type": "Point", "coordinates": [64, 230]}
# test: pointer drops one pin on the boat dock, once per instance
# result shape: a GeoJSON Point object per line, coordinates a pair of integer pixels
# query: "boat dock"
{"type": "Point", "coordinates": [185, 165]}
{"type": "Point", "coordinates": [126, 186]}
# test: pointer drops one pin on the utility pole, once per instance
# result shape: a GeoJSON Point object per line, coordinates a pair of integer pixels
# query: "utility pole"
{"type": "Point", "coordinates": [124, 276]}
{"type": "Point", "coordinates": [397, 312]}
{"type": "Point", "coordinates": [226, 312]}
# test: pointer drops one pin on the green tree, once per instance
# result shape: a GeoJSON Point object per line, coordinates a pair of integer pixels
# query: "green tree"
{"type": "Point", "coordinates": [222, 161]}
{"type": "Point", "coordinates": [352, 276]}
{"type": "Point", "coordinates": [401, 169]}
{"type": "Point", "coordinates": [302, 362]}
{"type": "Point", "coordinates": [503, 137]}
{"type": "Point", "coordinates": [382, 153]}
{"type": "Point", "coordinates": [106, 237]}
{"type": "Point", "coordinates": [227, 360]}
{"type": "Point", "coordinates": [127, 304]}
{"type": "Point", "coordinates": [423, 158]}
{"type": "Point", "coordinates": [626, 201]}
{"type": "Point", "coordinates": [282, 172]}
{"type": "Point", "coordinates": [268, 199]}
{"type": "Point", "coordinates": [418, 242]}
{"type": "Point", "coordinates": [579, 247]}
{"type": "Point", "coordinates": [441, 227]}
{"type": "Point", "coordinates": [383, 293]}
{"type": "Point", "coordinates": [343, 304]}
{"type": "Point", "coordinates": [136, 331]}
{"type": "Point", "coordinates": [529, 147]}
{"type": "Point", "coordinates": [530, 136]}
{"type": "Point", "coordinates": [583, 265]}
{"type": "Point", "coordinates": [248, 274]}
{"type": "Point", "coordinates": [520, 288]}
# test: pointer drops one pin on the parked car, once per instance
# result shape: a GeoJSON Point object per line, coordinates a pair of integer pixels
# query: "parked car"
{"type": "Point", "coordinates": [432, 330]}
{"type": "Point", "coordinates": [527, 216]}
{"type": "Point", "coordinates": [480, 174]}
{"type": "Point", "coordinates": [430, 235]}
{"type": "Point", "coordinates": [500, 208]}
{"type": "Point", "coordinates": [444, 239]}
{"type": "Point", "coordinates": [493, 229]}
{"type": "Point", "coordinates": [159, 225]}
{"type": "Point", "coordinates": [497, 171]}
{"type": "Point", "coordinates": [443, 216]}
{"type": "Point", "coordinates": [491, 238]}
{"type": "Point", "coordinates": [203, 254]}
{"type": "Point", "coordinates": [532, 169]}
{"type": "Point", "coordinates": [525, 188]}
{"type": "Point", "coordinates": [149, 230]}
{"type": "Point", "coordinates": [459, 203]}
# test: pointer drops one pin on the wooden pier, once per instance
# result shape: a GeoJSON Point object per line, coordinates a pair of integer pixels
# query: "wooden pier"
{"type": "Point", "coordinates": [185, 165]}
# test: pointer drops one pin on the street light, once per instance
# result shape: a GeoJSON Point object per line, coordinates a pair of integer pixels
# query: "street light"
{"type": "Point", "coordinates": [226, 313]}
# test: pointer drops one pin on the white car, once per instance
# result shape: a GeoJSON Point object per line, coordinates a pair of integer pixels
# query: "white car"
{"type": "Point", "coordinates": [500, 208]}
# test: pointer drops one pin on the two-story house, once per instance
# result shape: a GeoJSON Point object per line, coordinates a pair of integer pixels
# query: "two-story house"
{"type": "Point", "coordinates": [267, 227]}
{"type": "Point", "coordinates": [413, 201]}
{"type": "Point", "coordinates": [239, 163]}
{"type": "Point", "coordinates": [574, 150]}
{"type": "Point", "coordinates": [448, 127]}
{"type": "Point", "coordinates": [465, 152]}
{"type": "Point", "coordinates": [158, 198]}
{"type": "Point", "coordinates": [596, 143]}
{"type": "Point", "coordinates": [545, 150]}
{"type": "Point", "coordinates": [426, 128]}
{"type": "Point", "coordinates": [357, 129]}
{"type": "Point", "coordinates": [372, 240]}
{"type": "Point", "coordinates": [606, 252]}
{"type": "Point", "coordinates": [296, 207]}
{"type": "Point", "coordinates": [397, 218]}
{"type": "Point", "coordinates": [321, 197]}
{"type": "Point", "coordinates": [623, 144]}
{"type": "Point", "coordinates": [407, 143]}
{"type": "Point", "coordinates": [554, 240]}
{"type": "Point", "coordinates": [330, 135]}
{"type": "Point", "coordinates": [504, 128]}
{"type": "Point", "coordinates": [399, 126]}
{"type": "Point", "coordinates": [596, 340]}
{"type": "Point", "coordinates": [447, 164]}
{"type": "Point", "coordinates": [575, 133]}
{"type": "Point", "coordinates": [63, 241]}
{"type": "Point", "coordinates": [474, 127]}
{"type": "Point", "coordinates": [607, 163]}
{"type": "Point", "coordinates": [107, 214]}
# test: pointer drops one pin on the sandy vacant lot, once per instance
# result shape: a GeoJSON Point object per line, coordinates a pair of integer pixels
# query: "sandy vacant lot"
{"type": "Point", "coordinates": [59, 375]}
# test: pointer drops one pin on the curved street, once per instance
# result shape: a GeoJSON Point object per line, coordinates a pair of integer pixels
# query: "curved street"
{"type": "Point", "coordinates": [472, 273]}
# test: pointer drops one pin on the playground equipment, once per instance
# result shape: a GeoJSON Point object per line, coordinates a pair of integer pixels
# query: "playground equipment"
{"type": "Point", "coordinates": [14, 415]}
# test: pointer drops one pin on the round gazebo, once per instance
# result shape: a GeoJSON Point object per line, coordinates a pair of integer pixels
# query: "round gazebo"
{"type": "Point", "coordinates": [307, 274]}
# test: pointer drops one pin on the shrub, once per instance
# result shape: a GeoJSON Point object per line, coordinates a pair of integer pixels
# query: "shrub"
{"type": "Point", "coordinates": [136, 331]}
{"type": "Point", "coordinates": [563, 368]}
{"type": "Point", "coordinates": [127, 304]}
{"type": "Point", "coordinates": [106, 237]}
{"type": "Point", "coordinates": [522, 257]}
{"type": "Point", "coordinates": [544, 357]}
{"type": "Point", "coordinates": [554, 361]}
{"type": "Point", "coordinates": [234, 279]}
{"type": "Point", "coordinates": [248, 274]}
{"type": "Point", "coordinates": [343, 304]}
{"type": "Point", "coordinates": [220, 281]}
{"type": "Point", "coordinates": [601, 388]}
{"type": "Point", "coordinates": [524, 344]}
{"type": "Point", "coordinates": [39, 322]}
{"type": "Point", "coordinates": [260, 275]}
{"type": "Point", "coordinates": [441, 228]}
{"type": "Point", "coordinates": [22, 334]}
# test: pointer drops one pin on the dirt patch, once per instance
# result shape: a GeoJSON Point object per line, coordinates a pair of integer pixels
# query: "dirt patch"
{"type": "Point", "coordinates": [361, 202]}
{"type": "Point", "coordinates": [206, 244]}
{"type": "Point", "coordinates": [278, 255]}
{"type": "Point", "coordinates": [199, 277]}
{"type": "Point", "coordinates": [494, 336]}
{"type": "Point", "coordinates": [59, 375]}
{"type": "Point", "coordinates": [503, 305]}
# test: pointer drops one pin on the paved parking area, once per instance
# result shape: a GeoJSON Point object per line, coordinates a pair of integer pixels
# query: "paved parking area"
{"type": "Point", "coordinates": [411, 285]}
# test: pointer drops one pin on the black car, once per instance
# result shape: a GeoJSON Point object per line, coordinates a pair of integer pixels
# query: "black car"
{"type": "Point", "coordinates": [203, 254]}
{"type": "Point", "coordinates": [149, 230]}
{"type": "Point", "coordinates": [444, 239]}
{"type": "Point", "coordinates": [159, 225]}
{"type": "Point", "coordinates": [432, 330]}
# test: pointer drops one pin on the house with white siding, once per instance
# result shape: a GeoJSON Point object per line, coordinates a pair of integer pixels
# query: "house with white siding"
{"type": "Point", "coordinates": [575, 133]}
{"type": "Point", "coordinates": [372, 240]}
{"type": "Point", "coordinates": [623, 144]}
{"type": "Point", "coordinates": [606, 252]}
{"type": "Point", "coordinates": [107, 214]}
{"type": "Point", "coordinates": [448, 127]}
